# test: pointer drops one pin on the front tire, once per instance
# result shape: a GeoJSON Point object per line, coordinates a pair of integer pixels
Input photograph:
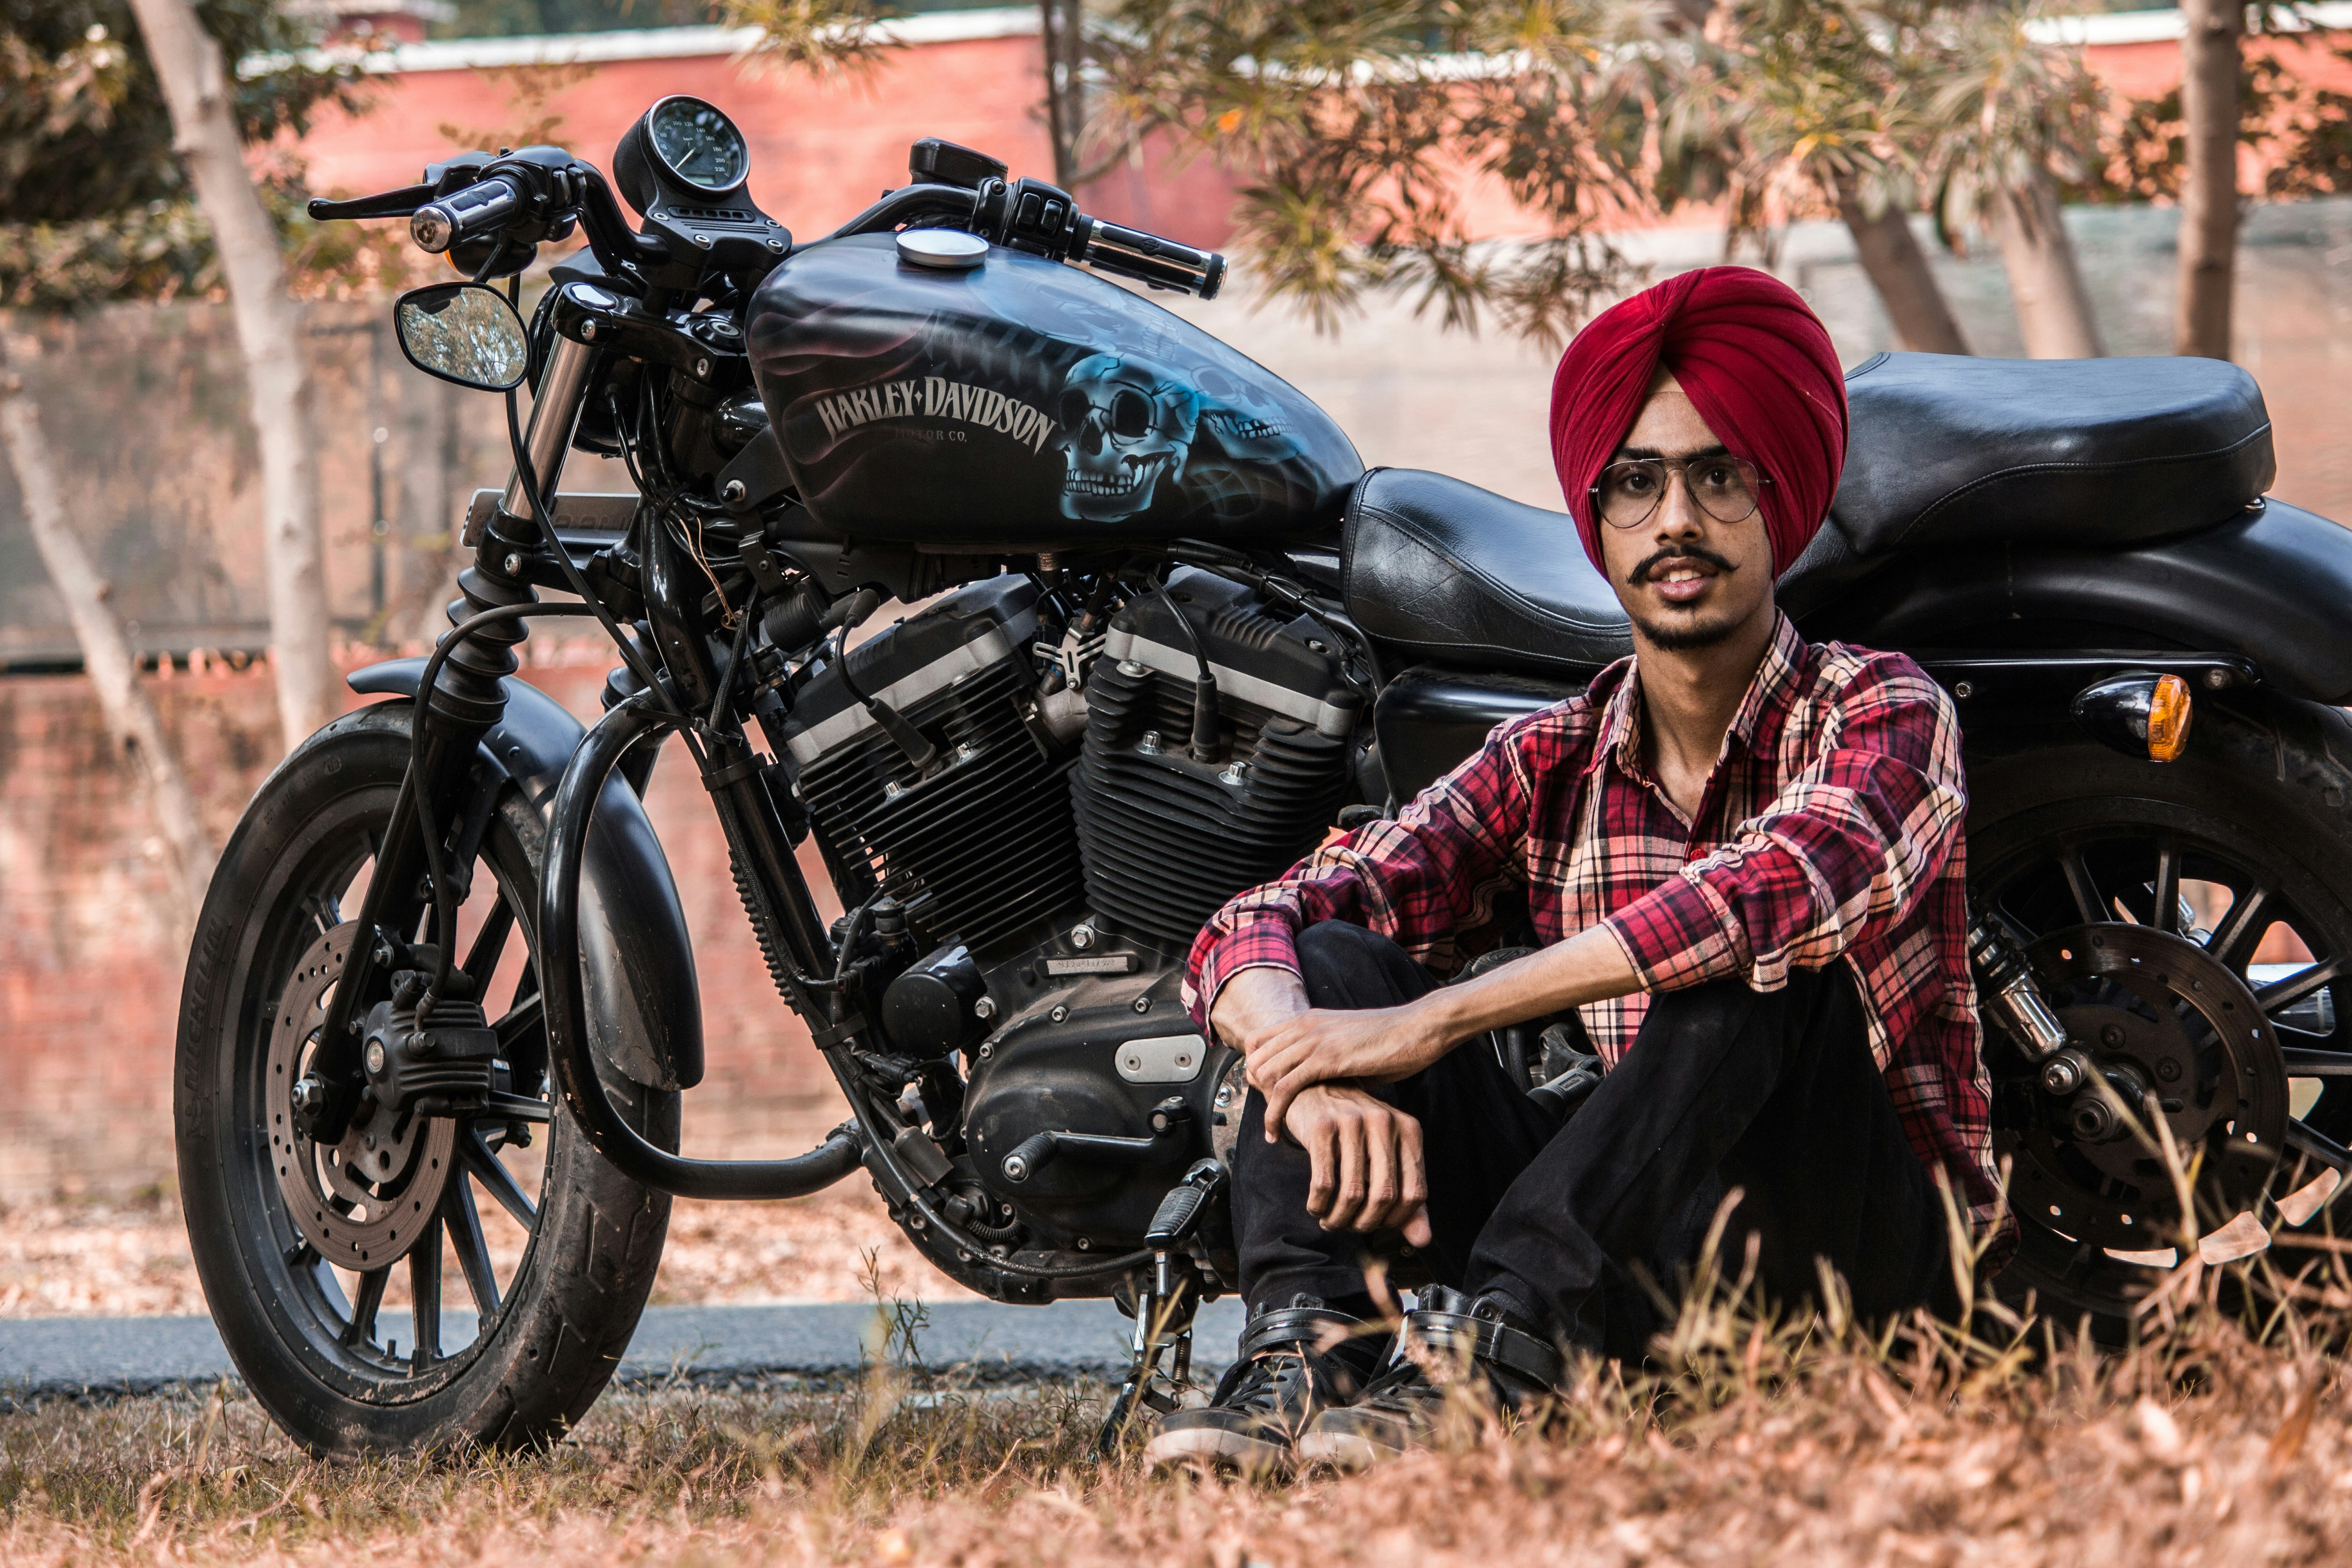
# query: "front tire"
{"type": "Point", "coordinates": [555, 1280]}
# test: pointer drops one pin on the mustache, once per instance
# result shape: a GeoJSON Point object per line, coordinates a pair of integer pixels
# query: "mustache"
{"type": "Point", "coordinates": [1640, 574]}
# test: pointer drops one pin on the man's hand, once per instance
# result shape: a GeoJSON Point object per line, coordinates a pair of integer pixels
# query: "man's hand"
{"type": "Point", "coordinates": [1374, 1045]}
{"type": "Point", "coordinates": [1366, 1162]}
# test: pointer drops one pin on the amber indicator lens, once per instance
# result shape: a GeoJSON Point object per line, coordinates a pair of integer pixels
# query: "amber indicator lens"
{"type": "Point", "coordinates": [2168, 719]}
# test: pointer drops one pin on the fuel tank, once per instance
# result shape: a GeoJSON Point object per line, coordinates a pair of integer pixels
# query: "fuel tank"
{"type": "Point", "coordinates": [1024, 404]}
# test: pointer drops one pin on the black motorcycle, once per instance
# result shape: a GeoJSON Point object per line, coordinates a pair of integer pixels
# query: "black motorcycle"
{"type": "Point", "coordinates": [441, 1006]}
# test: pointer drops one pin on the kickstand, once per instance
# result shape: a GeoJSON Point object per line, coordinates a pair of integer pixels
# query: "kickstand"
{"type": "Point", "coordinates": [1163, 1312]}
{"type": "Point", "coordinates": [1160, 1363]}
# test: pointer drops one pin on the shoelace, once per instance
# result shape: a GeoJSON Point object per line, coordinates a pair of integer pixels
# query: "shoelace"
{"type": "Point", "coordinates": [1404, 1386]}
{"type": "Point", "coordinates": [1252, 1384]}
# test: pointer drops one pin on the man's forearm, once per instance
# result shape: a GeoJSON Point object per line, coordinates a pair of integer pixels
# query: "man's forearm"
{"type": "Point", "coordinates": [1588, 967]}
{"type": "Point", "coordinates": [1255, 1001]}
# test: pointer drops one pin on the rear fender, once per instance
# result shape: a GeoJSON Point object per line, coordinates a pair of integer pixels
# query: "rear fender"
{"type": "Point", "coordinates": [2273, 585]}
{"type": "Point", "coordinates": [645, 1008]}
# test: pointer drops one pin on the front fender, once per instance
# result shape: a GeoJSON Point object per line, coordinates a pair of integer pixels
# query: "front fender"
{"type": "Point", "coordinates": [645, 1008]}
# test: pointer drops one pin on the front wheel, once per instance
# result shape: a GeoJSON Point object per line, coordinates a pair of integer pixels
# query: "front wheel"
{"type": "Point", "coordinates": [439, 1282]}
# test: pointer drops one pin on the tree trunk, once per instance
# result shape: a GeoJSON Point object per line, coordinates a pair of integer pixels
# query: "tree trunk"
{"type": "Point", "coordinates": [1061, 88]}
{"type": "Point", "coordinates": [270, 330]}
{"type": "Point", "coordinates": [105, 649]}
{"type": "Point", "coordinates": [2053, 310]}
{"type": "Point", "coordinates": [2208, 190]}
{"type": "Point", "coordinates": [1898, 269]}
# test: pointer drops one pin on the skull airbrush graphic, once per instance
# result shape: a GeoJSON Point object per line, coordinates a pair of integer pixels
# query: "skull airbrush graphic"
{"type": "Point", "coordinates": [1128, 426]}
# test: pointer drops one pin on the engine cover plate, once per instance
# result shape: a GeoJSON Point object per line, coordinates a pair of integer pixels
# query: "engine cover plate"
{"type": "Point", "coordinates": [1073, 1073]}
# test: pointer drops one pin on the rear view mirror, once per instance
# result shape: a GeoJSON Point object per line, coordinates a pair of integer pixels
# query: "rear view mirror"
{"type": "Point", "coordinates": [465, 332]}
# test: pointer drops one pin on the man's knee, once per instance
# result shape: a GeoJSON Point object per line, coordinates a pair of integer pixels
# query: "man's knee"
{"type": "Point", "coordinates": [1346, 966]}
{"type": "Point", "coordinates": [1810, 1001]}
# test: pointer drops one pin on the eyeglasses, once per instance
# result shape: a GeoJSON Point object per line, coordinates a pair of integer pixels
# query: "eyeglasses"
{"type": "Point", "coordinates": [1726, 488]}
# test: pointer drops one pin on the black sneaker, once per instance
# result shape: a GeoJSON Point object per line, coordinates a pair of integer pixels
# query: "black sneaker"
{"type": "Point", "coordinates": [1282, 1381]}
{"type": "Point", "coordinates": [1450, 1347]}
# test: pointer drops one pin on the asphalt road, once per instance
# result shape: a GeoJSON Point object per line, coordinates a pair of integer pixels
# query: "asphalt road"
{"type": "Point", "coordinates": [99, 1357]}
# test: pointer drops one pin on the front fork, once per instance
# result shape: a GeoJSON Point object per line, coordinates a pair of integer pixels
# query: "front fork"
{"type": "Point", "coordinates": [466, 701]}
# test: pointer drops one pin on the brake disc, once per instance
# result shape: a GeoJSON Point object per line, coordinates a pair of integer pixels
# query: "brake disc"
{"type": "Point", "coordinates": [365, 1201]}
{"type": "Point", "coordinates": [2158, 1013]}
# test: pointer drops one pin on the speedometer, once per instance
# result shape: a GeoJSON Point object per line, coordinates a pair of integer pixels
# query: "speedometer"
{"type": "Point", "coordinates": [682, 150]}
{"type": "Point", "coordinates": [699, 144]}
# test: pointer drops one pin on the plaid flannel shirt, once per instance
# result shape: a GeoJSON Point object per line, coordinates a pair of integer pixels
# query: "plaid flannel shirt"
{"type": "Point", "coordinates": [1830, 829]}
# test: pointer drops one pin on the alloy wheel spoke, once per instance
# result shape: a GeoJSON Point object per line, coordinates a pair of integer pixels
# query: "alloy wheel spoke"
{"type": "Point", "coordinates": [473, 1252]}
{"type": "Point", "coordinates": [500, 1182]}
{"type": "Point", "coordinates": [362, 1328]}
{"type": "Point", "coordinates": [330, 1287]}
{"type": "Point", "coordinates": [2301, 1063]}
{"type": "Point", "coordinates": [489, 942]}
{"type": "Point", "coordinates": [2281, 995]}
{"type": "Point", "coordinates": [2241, 929]}
{"type": "Point", "coordinates": [2167, 913]}
{"type": "Point", "coordinates": [2306, 1141]}
{"type": "Point", "coordinates": [323, 911]}
{"type": "Point", "coordinates": [424, 1285]}
{"type": "Point", "coordinates": [526, 1018]}
{"type": "Point", "coordinates": [2088, 904]}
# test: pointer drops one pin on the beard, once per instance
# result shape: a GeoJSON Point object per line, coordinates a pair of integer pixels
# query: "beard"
{"type": "Point", "coordinates": [1693, 628]}
{"type": "Point", "coordinates": [1683, 636]}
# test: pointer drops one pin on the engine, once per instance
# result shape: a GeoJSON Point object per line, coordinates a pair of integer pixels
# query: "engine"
{"type": "Point", "coordinates": [1169, 837]}
{"type": "Point", "coordinates": [1055, 861]}
{"type": "Point", "coordinates": [930, 777]}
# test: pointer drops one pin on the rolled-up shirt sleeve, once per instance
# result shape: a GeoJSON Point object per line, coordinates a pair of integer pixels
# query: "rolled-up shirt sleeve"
{"type": "Point", "coordinates": [1427, 878]}
{"type": "Point", "coordinates": [1856, 837]}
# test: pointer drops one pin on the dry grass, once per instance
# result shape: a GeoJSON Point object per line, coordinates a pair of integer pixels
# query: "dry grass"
{"type": "Point", "coordinates": [1747, 1441]}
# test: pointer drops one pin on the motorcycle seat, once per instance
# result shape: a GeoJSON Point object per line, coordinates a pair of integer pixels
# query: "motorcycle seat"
{"type": "Point", "coordinates": [1946, 451]}
{"type": "Point", "coordinates": [1439, 566]}
{"type": "Point", "coordinates": [1950, 451]}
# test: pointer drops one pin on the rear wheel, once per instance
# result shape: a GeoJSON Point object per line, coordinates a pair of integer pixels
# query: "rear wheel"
{"type": "Point", "coordinates": [436, 1282]}
{"type": "Point", "coordinates": [2244, 848]}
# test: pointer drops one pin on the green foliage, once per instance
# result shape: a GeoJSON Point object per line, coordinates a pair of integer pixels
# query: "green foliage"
{"type": "Point", "coordinates": [112, 151]}
{"type": "Point", "coordinates": [98, 207]}
{"type": "Point", "coordinates": [2008, 112]}
{"type": "Point", "coordinates": [1788, 109]}
{"type": "Point", "coordinates": [1351, 124]}
{"type": "Point", "coordinates": [2303, 131]}
{"type": "Point", "coordinates": [822, 38]}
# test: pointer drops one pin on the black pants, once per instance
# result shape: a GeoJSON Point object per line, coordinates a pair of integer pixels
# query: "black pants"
{"type": "Point", "coordinates": [1774, 1093]}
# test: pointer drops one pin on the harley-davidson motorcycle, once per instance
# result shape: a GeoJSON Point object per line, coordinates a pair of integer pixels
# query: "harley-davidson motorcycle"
{"type": "Point", "coordinates": [441, 1007]}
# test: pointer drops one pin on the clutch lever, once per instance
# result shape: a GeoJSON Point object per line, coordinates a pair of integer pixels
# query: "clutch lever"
{"type": "Point", "coordinates": [387, 204]}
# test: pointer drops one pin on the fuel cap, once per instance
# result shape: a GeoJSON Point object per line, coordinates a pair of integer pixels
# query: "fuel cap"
{"type": "Point", "coordinates": [949, 249]}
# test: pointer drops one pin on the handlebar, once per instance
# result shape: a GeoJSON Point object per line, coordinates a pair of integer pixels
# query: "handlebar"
{"type": "Point", "coordinates": [1041, 219]}
{"type": "Point", "coordinates": [532, 194]}
{"type": "Point", "coordinates": [457, 217]}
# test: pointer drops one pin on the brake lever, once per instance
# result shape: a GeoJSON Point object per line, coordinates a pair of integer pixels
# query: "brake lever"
{"type": "Point", "coordinates": [387, 203]}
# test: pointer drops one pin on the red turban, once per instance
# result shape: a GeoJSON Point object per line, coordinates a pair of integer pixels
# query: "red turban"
{"type": "Point", "coordinates": [1755, 361]}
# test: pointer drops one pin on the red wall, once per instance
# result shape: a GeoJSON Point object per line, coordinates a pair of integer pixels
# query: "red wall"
{"type": "Point", "coordinates": [820, 151]}
{"type": "Point", "coordinates": [823, 150]}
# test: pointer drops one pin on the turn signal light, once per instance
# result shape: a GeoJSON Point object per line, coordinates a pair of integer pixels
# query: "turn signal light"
{"type": "Point", "coordinates": [2168, 719]}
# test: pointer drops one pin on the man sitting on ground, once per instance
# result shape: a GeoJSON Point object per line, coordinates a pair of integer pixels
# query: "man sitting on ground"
{"type": "Point", "coordinates": [1741, 856]}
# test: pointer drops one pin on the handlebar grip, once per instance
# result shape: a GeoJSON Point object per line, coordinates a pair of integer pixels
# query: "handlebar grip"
{"type": "Point", "coordinates": [1132, 253]}
{"type": "Point", "coordinates": [475, 210]}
